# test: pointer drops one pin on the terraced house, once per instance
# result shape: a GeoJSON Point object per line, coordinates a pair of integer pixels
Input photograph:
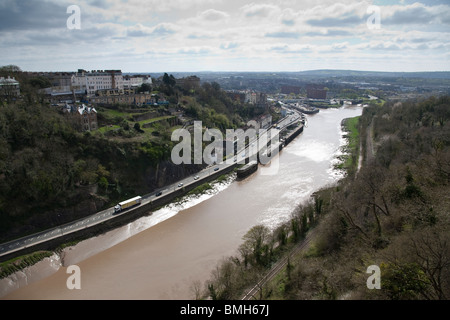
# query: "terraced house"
{"type": "Point", "coordinates": [84, 118]}
{"type": "Point", "coordinates": [91, 82]}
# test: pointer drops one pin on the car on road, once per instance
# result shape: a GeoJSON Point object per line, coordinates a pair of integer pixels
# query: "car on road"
{"type": "Point", "coordinates": [216, 169]}
{"type": "Point", "coordinates": [196, 177]}
{"type": "Point", "coordinates": [159, 193]}
{"type": "Point", "coordinates": [180, 185]}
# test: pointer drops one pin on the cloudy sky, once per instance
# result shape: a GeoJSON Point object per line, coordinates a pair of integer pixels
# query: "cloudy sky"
{"type": "Point", "coordinates": [226, 35]}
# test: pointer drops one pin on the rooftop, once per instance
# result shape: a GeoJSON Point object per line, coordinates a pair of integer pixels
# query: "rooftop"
{"type": "Point", "coordinates": [81, 110]}
{"type": "Point", "coordinates": [8, 81]}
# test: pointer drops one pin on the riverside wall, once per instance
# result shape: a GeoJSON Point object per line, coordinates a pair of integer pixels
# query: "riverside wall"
{"type": "Point", "coordinates": [288, 139]}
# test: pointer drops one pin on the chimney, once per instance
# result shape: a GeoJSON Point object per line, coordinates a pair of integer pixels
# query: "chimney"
{"type": "Point", "coordinates": [113, 80]}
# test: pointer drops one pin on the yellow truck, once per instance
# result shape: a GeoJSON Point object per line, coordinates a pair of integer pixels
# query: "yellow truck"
{"type": "Point", "coordinates": [128, 204]}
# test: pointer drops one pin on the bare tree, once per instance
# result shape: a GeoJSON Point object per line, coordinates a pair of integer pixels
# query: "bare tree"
{"type": "Point", "coordinates": [196, 289]}
{"type": "Point", "coordinates": [432, 252]}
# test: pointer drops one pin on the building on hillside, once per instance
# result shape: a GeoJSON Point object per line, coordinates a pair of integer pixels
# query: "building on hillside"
{"type": "Point", "coordinates": [63, 97]}
{"type": "Point", "coordinates": [258, 99]}
{"type": "Point", "coordinates": [115, 92]}
{"type": "Point", "coordinates": [264, 121]}
{"type": "Point", "coordinates": [61, 81]}
{"type": "Point", "coordinates": [135, 81]}
{"type": "Point", "coordinates": [83, 117]}
{"type": "Point", "coordinates": [291, 89]}
{"type": "Point", "coordinates": [60, 89]}
{"type": "Point", "coordinates": [236, 95]}
{"type": "Point", "coordinates": [314, 91]}
{"type": "Point", "coordinates": [189, 83]}
{"type": "Point", "coordinates": [128, 99]}
{"type": "Point", "coordinates": [96, 80]}
{"type": "Point", "coordinates": [84, 85]}
{"type": "Point", "coordinates": [9, 87]}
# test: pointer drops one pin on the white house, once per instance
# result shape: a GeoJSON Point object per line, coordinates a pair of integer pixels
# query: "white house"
{"type": "Point", "coordinates": [130, 82]}
{"type": "Point", "coordinates": [97, 80]}
{"type": "Point", "coordinates": [9, 87]}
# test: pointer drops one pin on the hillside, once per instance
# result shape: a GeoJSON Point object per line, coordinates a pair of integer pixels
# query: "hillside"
{"type": "Point", "coordinates": [358, 73]}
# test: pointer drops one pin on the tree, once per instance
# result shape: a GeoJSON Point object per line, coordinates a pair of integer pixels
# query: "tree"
{"type": "Point", "coordinates": [40, 82]}
{"type": "Point", "coordinates": [318, 204]}
{"type": "Point", "coordinates": [10, 68]}
{"type": "Point", "coordinates": [196, 289]}
{"type": "Point", "coordinates": [304, 225]}
{"type": "Point", "coordinates": [295, 227]}
{"type": "Point", "coordinates": [169, 80]}
{"type": "Point", "coordinates": [224, 280]}
{"type": "Point", "coordinates": [257, 244]}
{"type": "Point", "coordinates": [431, 248]}
{"type": "Point", "coordinates": [212, 291]}
{"type": "Point", "coordinates": [403, 281]}
{"type": "Point", "coordinates": [216, 86]}
{"type": "Point", "coordinates": [145, 87]}
{"type": "Point", "coordinates": [125, 125]}
{"type": "Point", "coordinates": [102, 172]}
{"type": "Point", "coordinates": [137, 127]}
{"type": "Point", "coordinates": [281, 234]}
{"type": "Point", "coordinates": [103, 183]}
{"type": "Point", "coordinates": [442, 113]}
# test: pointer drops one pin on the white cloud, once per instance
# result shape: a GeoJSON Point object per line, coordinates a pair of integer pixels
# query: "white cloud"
{"type": "Point", "coordinates": [416, 13]}
{"type": "Point", "coordinates": [195, 50]}
{"type": "Point", "coordinates": [213, 15]}
{"type": "Point", "coordinates": [160, 30]}
{"type": "Point", "coordinates": [251, 34]}
{"type": "Point", "coordinates": [229, 45]}
{"type": "Point", "coordinates": [255, 10]}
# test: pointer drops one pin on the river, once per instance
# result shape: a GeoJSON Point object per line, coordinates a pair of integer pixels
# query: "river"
{"type": "Point", "coordinates": [161, 256]}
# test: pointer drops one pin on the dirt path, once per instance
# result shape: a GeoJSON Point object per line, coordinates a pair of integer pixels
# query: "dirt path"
{"type": "Point", "coordinates": [370, 151]}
